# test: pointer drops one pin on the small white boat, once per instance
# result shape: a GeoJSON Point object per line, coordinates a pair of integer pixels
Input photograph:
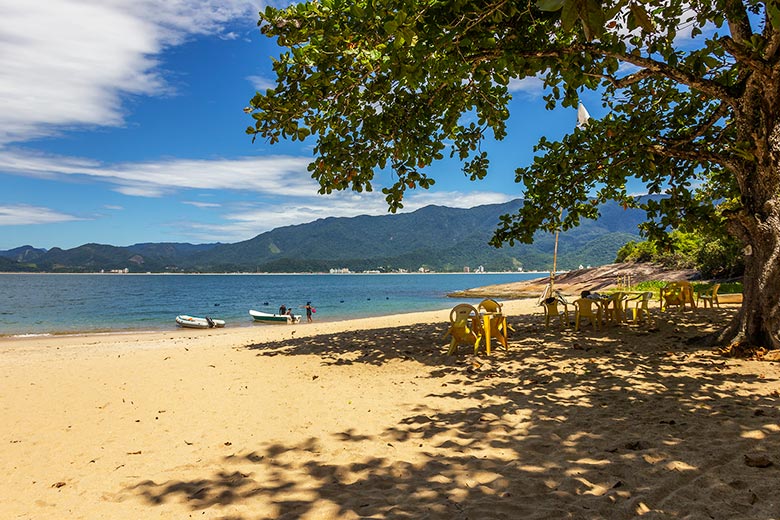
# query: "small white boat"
{"type": "Point", "coordinates": [267, 317]}
{"type": "Point", "coordinates": [192, 322]}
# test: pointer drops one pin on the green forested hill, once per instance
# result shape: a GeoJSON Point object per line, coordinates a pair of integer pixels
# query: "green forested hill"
{"type": "Point", "coordinates": [436, 237]}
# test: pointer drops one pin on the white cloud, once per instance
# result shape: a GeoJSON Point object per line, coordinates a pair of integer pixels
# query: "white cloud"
{"type": "Point", "coordinates": [454, 199]}
{"type": "Point", "coordinates": [531, 86]}
{"type": "Point", "coordinates": [113, 207]}
{"type": "Point", "coordinates": [274, 175]}
{"type": "Point", "coordinates": [260, 83]}
{"type": "Point", "coordinates": [202, 204]}
{"type": "Point", "coordinates": [67, 63]}
{"type": "Point", "coordinates": [22, 215]}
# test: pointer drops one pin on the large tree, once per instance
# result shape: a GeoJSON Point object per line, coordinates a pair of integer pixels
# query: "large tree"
{"type": "Point", "coordinates": [691, 88]}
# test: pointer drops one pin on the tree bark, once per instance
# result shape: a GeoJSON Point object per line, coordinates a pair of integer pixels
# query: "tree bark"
{"type": "Point", "coordinates": [758, 322]}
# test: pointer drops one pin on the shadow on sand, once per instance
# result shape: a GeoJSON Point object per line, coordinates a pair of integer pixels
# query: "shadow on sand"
{"type": "Point", "coordinates": [620, 423]}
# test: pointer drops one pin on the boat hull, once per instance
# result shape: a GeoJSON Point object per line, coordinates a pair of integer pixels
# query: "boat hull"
{"type": "Point", "coordinates": [274, 319]}
{"type": "Point", "coordinates": [192, 322]}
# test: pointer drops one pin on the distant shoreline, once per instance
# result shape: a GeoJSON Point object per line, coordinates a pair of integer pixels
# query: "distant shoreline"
{"type": "Point", "coordinates": [542, 273]}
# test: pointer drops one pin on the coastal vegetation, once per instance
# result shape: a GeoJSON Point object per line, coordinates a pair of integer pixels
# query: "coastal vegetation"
{"type": "Point", "coordinates": [690, 88]}
{"type": "Point", "coordinates": [715, 257]}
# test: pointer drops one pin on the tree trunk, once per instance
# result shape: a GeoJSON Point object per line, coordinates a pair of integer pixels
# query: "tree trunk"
{"type": "Point", "coordinates": [758, 322]}
{"type": "Point", "coordinates": [757, 224]}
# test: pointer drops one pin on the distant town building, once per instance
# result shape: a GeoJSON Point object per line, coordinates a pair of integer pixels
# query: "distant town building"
{"type": "Point", "coordinates": [342, 270]}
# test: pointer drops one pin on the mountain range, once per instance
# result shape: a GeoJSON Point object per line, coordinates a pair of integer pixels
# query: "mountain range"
{"type": "Point", "coordinates": [434, 237]}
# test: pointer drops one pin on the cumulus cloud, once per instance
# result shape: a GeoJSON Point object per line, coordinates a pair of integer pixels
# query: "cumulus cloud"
{"type": "Point", "coordinates": [22, 215]}
{"type": "Point", "coordinates": [66, 63]}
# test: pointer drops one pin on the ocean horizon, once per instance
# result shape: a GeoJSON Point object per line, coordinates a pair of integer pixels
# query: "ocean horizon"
{"type": "Point", "coordinates": [34, 304]}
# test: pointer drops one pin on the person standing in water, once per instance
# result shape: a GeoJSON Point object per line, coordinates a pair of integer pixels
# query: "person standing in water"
{"type": "Point", "coordinates": [309, 310]}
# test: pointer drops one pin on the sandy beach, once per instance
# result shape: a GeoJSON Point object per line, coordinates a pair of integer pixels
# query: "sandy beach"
{"type": "Point", "coordinates": [371, 419]}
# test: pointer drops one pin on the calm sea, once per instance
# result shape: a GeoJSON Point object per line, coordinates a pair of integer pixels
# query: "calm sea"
{"type": "Point", "coordinates": [72, 303]}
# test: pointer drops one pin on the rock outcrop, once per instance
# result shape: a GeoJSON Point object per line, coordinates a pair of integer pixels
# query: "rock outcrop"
{"type": "Point", "coordinates": [574, 282]}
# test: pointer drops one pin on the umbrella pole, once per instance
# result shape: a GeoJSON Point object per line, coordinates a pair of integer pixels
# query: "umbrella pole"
{"type": "Point", "coordinates": [555, 261]}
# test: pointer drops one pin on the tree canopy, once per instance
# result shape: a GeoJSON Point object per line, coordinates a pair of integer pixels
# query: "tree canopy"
{"type": "Point", "coordinates": [691, 90]}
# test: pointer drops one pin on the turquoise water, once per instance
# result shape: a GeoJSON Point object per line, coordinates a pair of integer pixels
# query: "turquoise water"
{"type": "Point", "coordinates": [68, 303]}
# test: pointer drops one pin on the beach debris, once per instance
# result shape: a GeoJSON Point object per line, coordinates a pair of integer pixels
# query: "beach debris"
{"type": "Point", "coordinates": [772, 355]}
{"type": "Point", "coordinates": [188, 443]}
{"type": "Point", "coordinates": [134, 452]}
{"type": "Point", "coordinates": [757, 460]}
{"type": "Point", "coordinates": [636, 445]}
{"type": "Point", "coordinates": [743, 351]}
{"type": "Point", "coordinates": [58, 484]}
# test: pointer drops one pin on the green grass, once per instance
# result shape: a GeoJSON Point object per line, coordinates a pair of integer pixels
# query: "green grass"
{"type": "Point", "coordinates": [655, 287]}
{"type": "Point", "coordinates": [725, 288]}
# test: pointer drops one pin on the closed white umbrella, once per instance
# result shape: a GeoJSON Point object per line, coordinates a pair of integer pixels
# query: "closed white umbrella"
{"type": "Point", "coordinates": [582, 116]}
{"type": "Point", "coordinates": [582, 121]}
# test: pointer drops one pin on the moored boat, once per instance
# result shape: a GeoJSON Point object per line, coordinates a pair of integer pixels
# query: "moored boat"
{"type": "Point", "coordinates": [192, 322]}
{"type": "Point", "coordinates": [267, 317]}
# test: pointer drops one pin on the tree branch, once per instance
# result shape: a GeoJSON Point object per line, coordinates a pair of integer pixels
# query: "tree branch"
{"type": "Point", "coordinates": [739, 23]}
{"type": "Point", "coordinates": [739, 53]}
{"type": "Point", "coordinates": [675, 152]}
{"type": "Point", "coordinates": [653, 67]}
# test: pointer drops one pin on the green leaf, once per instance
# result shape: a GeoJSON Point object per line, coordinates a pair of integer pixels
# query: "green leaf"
{"type": "Point", "coordinates": [594, 19]}
{"type": "Point", "coordinates": [773, 12]}
{"type": "Point", "coordinates": [569, 15]}
{"type": "Point", "coordinates": [641, 16]}
{"type": "Point", "coordinates": [549, 5]}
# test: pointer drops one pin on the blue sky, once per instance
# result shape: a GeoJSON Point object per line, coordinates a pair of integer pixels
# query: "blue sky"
{"type": "Point", "coordinates": [121, 122]}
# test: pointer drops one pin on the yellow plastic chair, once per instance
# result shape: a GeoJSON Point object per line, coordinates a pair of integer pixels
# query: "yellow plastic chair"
{"type": "Point", "coordinates": [615, 308]}
{"type": "Point", "coordinates": [495, 323]}
{"type": "Point", "coordinates": [465, 327]}
{"type": "Point", "coordinates": [552, 310]}
{"type": "Point", "coordinates": [584, 309]}
{"type": "Point", "coordinates": [638, 308]}
{"type": "Point", "coordinates": [677, 294]}
{"type": "Point", "coordinates": [709, 296]}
